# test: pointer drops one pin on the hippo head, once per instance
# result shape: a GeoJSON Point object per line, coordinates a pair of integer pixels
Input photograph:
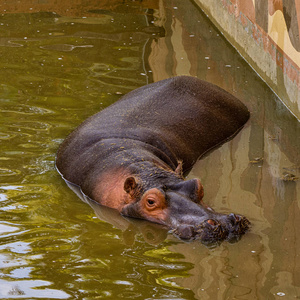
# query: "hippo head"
{"type": "Point", "coordinates": [179, 206]}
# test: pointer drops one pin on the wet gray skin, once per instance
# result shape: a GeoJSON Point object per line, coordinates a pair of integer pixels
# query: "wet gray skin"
{"type": "Point", "coordinates": [189, 219]}
{"type": "Point", "coordinates": [194, 221]}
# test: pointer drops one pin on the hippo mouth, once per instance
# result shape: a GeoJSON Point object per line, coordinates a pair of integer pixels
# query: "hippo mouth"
{"type": "Point", "coordinates": [212, 232]}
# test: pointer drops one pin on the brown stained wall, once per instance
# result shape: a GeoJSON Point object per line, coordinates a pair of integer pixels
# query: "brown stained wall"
{"type": "Point", "coordinates": [266, 33]}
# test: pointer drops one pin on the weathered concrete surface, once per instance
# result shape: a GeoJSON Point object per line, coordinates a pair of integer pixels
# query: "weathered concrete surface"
{"type": "Point", "coordinates": [266, 33]}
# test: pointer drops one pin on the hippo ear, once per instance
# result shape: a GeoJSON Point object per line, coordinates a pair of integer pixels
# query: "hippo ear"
{"type": "Point", "coordinates": [130, 185]}
{"type": "Point", "coordinates": [200, 190]}
{"type": "Point", "coordinates": [178, 170]}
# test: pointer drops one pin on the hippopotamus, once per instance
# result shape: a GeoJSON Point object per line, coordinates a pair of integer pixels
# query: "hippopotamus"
{"type": "Point", "coordinates": [133, 155]}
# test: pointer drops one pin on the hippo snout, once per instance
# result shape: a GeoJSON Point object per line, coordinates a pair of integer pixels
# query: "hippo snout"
{"type": "Point", "coordinates": [229, 227]}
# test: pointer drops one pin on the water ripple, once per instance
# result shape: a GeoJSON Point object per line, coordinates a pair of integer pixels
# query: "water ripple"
{"type": "Point", "coordinates": [29, 288]}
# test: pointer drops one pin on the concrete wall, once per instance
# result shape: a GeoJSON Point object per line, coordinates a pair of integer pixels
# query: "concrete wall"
{"type": "Point", "coordinates": [266, 33]}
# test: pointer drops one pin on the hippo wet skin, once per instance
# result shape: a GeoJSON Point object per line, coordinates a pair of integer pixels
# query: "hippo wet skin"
{"type": "Point", "coordinates": [132, 155]}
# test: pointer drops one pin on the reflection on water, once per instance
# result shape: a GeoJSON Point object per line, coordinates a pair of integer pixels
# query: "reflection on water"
{"type": "Point", "coordinates": [61, 64]}
{"type": "Point", "coordinates": [151, 232]}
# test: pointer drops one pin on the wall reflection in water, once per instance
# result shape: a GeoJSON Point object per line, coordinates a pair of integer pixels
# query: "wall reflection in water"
{"type": "Point", "coordinates": [256, 174]}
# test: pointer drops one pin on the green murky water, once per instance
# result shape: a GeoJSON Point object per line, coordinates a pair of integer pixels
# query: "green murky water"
{"type": "Point", "coordinates": [60, 63]}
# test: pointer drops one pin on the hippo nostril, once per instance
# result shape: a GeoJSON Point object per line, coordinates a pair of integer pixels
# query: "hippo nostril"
{"type": "Point", "coordinates": [233, 218]}
{"type": "Point", "coordinates": [211, 222]}
{"type": "Point", "coordinates": [238, 218]}
{"type": "Point", "coordinates": [214, 226]}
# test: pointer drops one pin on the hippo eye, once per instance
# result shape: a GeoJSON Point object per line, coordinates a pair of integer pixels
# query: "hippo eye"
{"type": "Point", "coordinates": [150, 202]}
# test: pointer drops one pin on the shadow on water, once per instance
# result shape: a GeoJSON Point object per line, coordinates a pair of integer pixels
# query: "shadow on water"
{"type": "Point", "coordinates": [60, 63]}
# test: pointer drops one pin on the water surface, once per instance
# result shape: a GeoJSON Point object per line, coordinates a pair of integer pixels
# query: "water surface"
{"type": "Point", "coordinates": [59, 65]}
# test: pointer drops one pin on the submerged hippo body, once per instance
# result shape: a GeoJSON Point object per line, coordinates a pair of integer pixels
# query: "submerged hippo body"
{"type": "Point", "coordinates": [131, 156]}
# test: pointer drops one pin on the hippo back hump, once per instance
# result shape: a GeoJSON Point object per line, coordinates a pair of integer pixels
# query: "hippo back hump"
{"type": "Point", "coordinates": [183, 115]}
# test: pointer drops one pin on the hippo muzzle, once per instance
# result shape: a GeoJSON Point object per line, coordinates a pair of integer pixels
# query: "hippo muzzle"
{"type": "Point", "coordinates": [196, 221]}
{"type": "Point", "coordinates": [212, 231]}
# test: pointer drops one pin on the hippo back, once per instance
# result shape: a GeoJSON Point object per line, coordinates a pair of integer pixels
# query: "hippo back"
{"type": "Point", "coordinates": [183, 117]}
